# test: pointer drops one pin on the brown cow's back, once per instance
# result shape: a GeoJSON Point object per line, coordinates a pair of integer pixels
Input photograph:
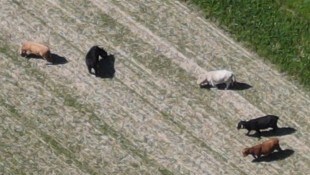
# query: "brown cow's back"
{"type": "Point", "coordinates": [269, 145]}
{"type": "Point", "coordinates": [264, 148]}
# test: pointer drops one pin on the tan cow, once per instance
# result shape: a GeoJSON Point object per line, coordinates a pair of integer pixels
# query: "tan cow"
{"type": "Point", "coordinates": [37, 49]}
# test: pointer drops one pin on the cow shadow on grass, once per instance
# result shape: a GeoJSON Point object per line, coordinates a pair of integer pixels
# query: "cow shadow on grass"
{"type": "Point", "coordinates": [106, 67]}
{"type": "Point", "coordinates": [56, 58]}
{"type": "Point", "coordinates": [279, 132]}
{"type": "Point", "coordinates": [275, 156]}
{"type": "Point", "coordinates": [32, 56]}
{"type": "Point", "coordinates": [236, 86]}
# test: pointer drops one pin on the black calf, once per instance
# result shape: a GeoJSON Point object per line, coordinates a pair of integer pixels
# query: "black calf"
{"type": "Point", "coordinates": [92, 58]}
{"type": "Point", "coordinates": [268, 121]}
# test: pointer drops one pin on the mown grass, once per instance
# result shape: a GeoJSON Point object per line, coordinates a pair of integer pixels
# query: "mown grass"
{"type": "Point", "coordinates": [276, 30]}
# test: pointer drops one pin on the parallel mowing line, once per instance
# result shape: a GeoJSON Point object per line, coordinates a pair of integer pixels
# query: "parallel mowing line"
{"type": "Point", "coordinates": [258, 62]}
{"type": "Point", "coordinates": [139, 30]}
{"type": "Point", "coordinates": [238, 48]}
{"type": "Point", "coordinates": [148, 36]}
{"type": "Point", "coordinates": [288, 119]}
{"type": "Point", "coordinates": [123, 140]}
{"type": "Point", "coordinates": [105, 128]}
{"type": "Point", "coordinates": [300, 94]}
{"type": "Point", "coordinates": [177, 4]}
{"type": "Point", "coordinates": [55, 145]}
{"type": "Point", "coordinates": [258, 112]}
{"type": "Point", "coordinates": [44, 138]}
{"type": "Point", "coordinates": [153, 40]}
{"type": "Point", "coordinates": [213, 31]}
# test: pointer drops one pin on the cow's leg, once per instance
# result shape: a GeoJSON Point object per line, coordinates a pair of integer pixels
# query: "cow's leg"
{"type": "Point", "coordinates": [212, 83]}
{"type": "Point", "coordinates": [27, 56]}
{"type": "Point", "coordinates": [274, 125]}
{"type": "Point", "coordinates": [89, 69]}
{"type": "Point", "coordinates": [258, 156]}
{"type": "Point", "coordinates": [22, 53]}
{"type": "Point", "coordinates": [96, 69]}
{"type": "Point", "coordinates": [204, 83]}
{"type": "Point", "coordinates": [227, 85]}
{"type": "Point", "coordinates": [254, 156]}
{"type": "Point", "coordinates": [279, 148]}
{"type": "Point", "coordinates": [248, 132]}
{"type": "Point", "coordinates": [28, 52]}
{"type": "Point", "coordinates": [258, 132]}
{"type": "Point", "coordinates": [274, 128]}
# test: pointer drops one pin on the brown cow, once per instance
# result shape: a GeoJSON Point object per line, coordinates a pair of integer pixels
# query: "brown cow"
{"type": "Point", "coordinates": [264, 148]}
{"type": "Point", "coordinates": [32, 48]}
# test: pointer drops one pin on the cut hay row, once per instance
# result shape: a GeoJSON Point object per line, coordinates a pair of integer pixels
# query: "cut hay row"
{"type": "Point", "coordinates": [152, 114]}
{"type": "Point", "coordinates": [279, 95]}
{"type": "Point", "coordinates": [263, 78]}
{"type": "Point", "coordinates": [204, 46]}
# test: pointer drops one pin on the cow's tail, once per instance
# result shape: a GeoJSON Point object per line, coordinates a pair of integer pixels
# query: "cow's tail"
{"type": "Point", "coordinates": [233, 78]}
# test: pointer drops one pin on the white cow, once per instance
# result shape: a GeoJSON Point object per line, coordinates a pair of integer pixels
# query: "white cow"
{"type": "Point", "coordinates": [217, 77]}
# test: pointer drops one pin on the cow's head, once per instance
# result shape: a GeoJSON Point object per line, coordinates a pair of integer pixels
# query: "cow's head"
{"type": "Point", "coordinates": [202, 80]}
{"type": "Point", "coordinates": [240, 125]}
{"type": "Point", "coordinates": [23, 53]}
{"type": "Point", "coordinates": [245, 152]}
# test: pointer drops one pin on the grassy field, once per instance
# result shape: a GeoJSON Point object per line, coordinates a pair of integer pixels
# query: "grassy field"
{"type": "Point", "coordinates": [277, 30]}
{"type": "Point", "coordinates": [297, 7]}
{"type": "Point", "coordinates": [151, 118]}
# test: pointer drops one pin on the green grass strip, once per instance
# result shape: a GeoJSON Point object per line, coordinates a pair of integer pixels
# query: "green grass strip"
{"type": "Point", "coordinates": [276, 30]}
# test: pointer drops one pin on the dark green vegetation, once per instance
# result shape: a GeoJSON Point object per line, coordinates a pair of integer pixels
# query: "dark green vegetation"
{"type": "Point", "coordinates": [298, 7]}
{"type": "Point", "coordinates": [276, 30]}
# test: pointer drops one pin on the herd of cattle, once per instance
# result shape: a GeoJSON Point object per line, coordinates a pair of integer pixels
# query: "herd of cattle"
{"type": "Point", "coordinates": [212, 78]}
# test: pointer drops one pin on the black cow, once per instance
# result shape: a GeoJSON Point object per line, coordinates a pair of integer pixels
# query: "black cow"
{"type": "Point", "coordinates": [92, 58]}
{"type": "Point", "coordinates": [268, 121]}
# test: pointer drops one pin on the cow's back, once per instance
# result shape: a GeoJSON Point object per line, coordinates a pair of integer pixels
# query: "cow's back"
{"type": "Point", "coordinates": [220, 75]}
{"type": "Point", "coordinates": [269, 145]}
{"type": "Point", "coordinates": [36, 48]}
{"type": "Point", "coordinates": [265, 121]}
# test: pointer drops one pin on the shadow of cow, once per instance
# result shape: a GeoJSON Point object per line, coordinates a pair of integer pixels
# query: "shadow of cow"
{"type": "Point", "coordinates": [55, 58]}
{"type": "Point", "coordinates": [235, 86]}
{"type": "Point", "coordinates": [279, 132]}
{"type": "Point", "coordinates": [275, 156]}
{"type": "Point", "coordinates": [58, 59]}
